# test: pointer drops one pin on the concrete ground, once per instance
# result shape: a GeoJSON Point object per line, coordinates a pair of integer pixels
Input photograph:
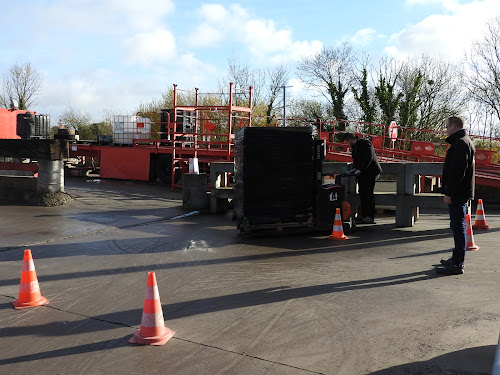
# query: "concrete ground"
{"type": "Point", "coordinates": [295, 304]}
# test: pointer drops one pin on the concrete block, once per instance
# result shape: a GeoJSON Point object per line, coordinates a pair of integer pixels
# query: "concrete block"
{"type": "Point", "coordinates": [194, 190]}
{"type": "Point", "coordinates": [219, 192]}
{"type": "Point", "coordinates": [18, 188]}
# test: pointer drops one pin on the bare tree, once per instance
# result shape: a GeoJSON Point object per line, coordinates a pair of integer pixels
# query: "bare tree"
{"type": "Point", "coordinates": [22, 84]}
{"type": "Point", "coordinates": [479, 118]}
{"type": "Point", "coordinates": [483, 82]}
{"type": "Point", "coordinates": [441, 94]}
{"type": "Point", "coordinates": [74, 118]}
{"type": "Point", "coordinates": [330, 72]}
{"type": "Point", "coordinates": [243, 77]}
{"type": "Point", "coordinates": [277, 78]}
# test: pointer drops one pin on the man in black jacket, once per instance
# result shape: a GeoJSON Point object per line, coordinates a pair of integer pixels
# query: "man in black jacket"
{"type": "Point", "coordinates": [458, 188]}
{"type": "Point", "coordinates": [367, 169]}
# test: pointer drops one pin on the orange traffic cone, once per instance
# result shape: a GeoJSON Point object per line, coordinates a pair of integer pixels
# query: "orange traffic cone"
{"type": "Point", "coordinates": [338, 231]}
{"type": "Point", "coordinates": [153, 330]}
{"type": "Point", "coordinates": [29, 290]}
{"type": "Point", "coordinates": [470, 236]}
{"type": "Point", "coordinates": [480, 220]}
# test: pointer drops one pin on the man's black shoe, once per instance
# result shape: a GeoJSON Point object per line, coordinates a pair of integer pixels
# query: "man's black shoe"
{"type": "Point", "coordinates": [447, 262]}
{"type": "Point", "coordinates": [450, 270]}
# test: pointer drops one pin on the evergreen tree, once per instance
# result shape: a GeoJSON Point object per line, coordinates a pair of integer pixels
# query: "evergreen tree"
{"type": "Point", "coordinates": [363, 99]}
{"type": "Point", "coordinates": [387, 99]}
{"type": "Point", "coordinates": [410, 102]}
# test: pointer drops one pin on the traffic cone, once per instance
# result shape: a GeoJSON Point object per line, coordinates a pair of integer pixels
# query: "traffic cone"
{"type": "Point", "coordinates": [153, 330]}
{"type": "Point", "coordinates": [470, 236]}
{"type": "Point", "coordinates": [29, 290]}
{"type": "Point", "coordinates": [480, 220]}
{"type": "Point", "coordinates": [338, 231]}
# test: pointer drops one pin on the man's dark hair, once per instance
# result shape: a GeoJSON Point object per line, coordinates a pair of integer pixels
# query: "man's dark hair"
{"type": "Point", "coordinates": [457, 121]}
{"type": "Point", "coordinates": [348, 136]}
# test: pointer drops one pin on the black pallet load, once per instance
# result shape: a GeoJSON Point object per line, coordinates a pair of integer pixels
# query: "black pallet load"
{"type": "Point", "coordinates": [275, 178]}
{"type": "Point", "coordinates": [30, 125]}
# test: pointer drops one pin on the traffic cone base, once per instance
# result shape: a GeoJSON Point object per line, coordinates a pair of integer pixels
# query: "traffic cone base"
{"type": "Point", "coordinates": [23, 305]}
{"type": "Point", "coordinates": [470, 246]}
{"type": "Point", "coordinates": [153, 330]}
{"type": "Point", "coordinates": [338, 231]}
{"type": "Point", "coordinates": [337, 237]}
{"type": "Point", "coordinates": [480, 220]}
{"type": "Point", "coordinates": [485, 226]}
{"type": "Point", "coordinates": [29, 289]}
{"type": "Point", "coordinates": [155, 340]}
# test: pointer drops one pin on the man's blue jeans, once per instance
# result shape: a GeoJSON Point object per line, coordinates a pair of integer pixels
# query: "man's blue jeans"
{"type": "Point", "coordinates": [458, 210]}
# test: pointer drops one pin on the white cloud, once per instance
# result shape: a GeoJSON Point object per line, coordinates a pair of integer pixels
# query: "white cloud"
{"type": "Point", "coordinates": [120, 92]}
{"type": "Point", "coordinates": [89, 91]}
{"type": "Point", "coordinates": [303, 49]}
{"type": "Point", "coordinates": [297, 86]}
{"type": "Point", "coordinates": [149, 48]}
{"type": "Point", "coordinates": [446, 4]}
{"type": "Point", "coordinates": [191, 71]}
{"type": "Point", "coordinates": [447, 35]}
{"type": "Point", "coordinates": [217, 22]}
{"type": "Point", "coordinates": [363, 37]}
{"type": "Point", "coordinates": [100, 16]}
{"type": "Point", "coordinates": [260, 37]}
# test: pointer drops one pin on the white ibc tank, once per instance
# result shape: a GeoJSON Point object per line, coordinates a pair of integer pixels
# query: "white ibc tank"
{"type": "Point", "coordinates": [127, 128]}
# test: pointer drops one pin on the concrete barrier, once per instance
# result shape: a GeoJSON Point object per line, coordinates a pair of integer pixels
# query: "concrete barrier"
{"type": "Point", "coordinates": [407, 197]}
{"type": "Point", "coordinates": [220, 191]}
{"type": "Point", "coordinates": [194, 190]}
{"type": "Point", "coordinates": [18, 188]}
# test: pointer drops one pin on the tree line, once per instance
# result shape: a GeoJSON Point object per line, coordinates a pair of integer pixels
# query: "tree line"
{"type": "Point", "coordinates": [343, 84]}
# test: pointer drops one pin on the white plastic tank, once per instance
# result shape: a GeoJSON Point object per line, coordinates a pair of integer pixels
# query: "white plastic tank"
{"type": "Point", "coordinates": [126, 128]}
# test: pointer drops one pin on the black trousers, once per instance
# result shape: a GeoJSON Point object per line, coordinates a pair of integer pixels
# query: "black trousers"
{"type": "Point", "coordinates": [366, 184]}
{"type": "Point", "coordinates": [458, 209]}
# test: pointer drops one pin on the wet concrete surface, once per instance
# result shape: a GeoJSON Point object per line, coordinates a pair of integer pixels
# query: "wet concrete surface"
{"type": "Point", "coordinates": [294, 304]}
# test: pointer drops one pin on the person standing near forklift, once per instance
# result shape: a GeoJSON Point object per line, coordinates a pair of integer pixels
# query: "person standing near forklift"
{"type": "Point", "coordinates": [367, 170]}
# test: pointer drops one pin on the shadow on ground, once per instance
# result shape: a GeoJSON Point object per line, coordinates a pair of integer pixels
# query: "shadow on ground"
{"type": "Point", "coordinates": [130, 318]}
{"type": "Point", "coordinates": [473, 361]}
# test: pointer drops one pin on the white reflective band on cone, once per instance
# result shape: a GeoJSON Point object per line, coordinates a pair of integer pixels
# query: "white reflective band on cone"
{"type": "Point", "coordinates": [152, 292]}
{"type": "Point", "coordinates": [29, 265]}
{"type": "Point", "coordinates": [152, 320]}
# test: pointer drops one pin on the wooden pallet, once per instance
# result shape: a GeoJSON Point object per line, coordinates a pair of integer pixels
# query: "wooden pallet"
{"type": "Point", "coordinates": [276, 228]}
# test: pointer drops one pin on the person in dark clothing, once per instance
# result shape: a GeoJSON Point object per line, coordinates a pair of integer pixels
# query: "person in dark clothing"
{"type": "Point", "coordinates": [367, 169]}
{"type": "Point", "coordinates": [458, 189]}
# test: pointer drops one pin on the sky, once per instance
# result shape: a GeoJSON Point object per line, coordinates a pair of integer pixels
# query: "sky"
{"type": "Point", "coordinates": [108, 56]}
